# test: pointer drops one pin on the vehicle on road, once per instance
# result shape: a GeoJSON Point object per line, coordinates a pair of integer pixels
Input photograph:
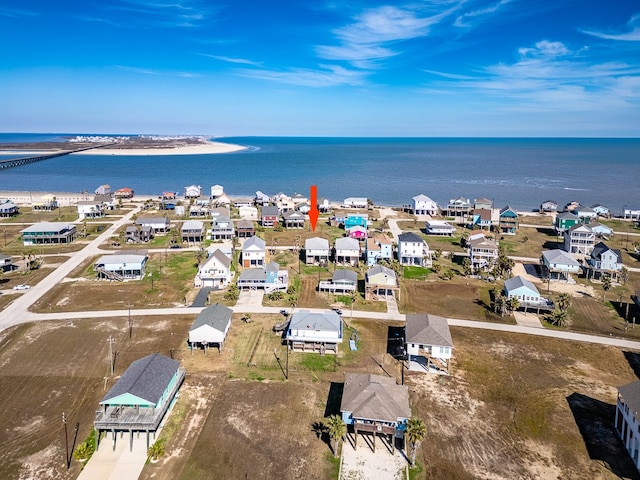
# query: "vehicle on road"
{"type": "Point", "coordinates": [22, 286]}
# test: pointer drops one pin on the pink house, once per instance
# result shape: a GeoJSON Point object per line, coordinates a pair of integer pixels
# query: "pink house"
{"type": "Point", "coordinates": [358, 232]}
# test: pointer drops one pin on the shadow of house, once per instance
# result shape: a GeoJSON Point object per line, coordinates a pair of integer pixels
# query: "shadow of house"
{"type": "Point", "coordinates": [334, 398]}
{"type": "Point", "coordinates": [634, 361]}
{"type": "Point", "coordinates": [395, 342]}
{"type": "Point", "coordinates": [595, 420]}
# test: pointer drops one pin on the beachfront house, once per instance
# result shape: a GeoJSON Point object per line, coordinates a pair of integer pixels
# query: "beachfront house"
{"type": "Point", "coordinates": [222, 228]}
{"type": "Point", "coordinates": [103, 190]}
{"type": "Point", "coordinates": [192, 231]}
{"type": "Point", "coordinates": [627, 420]}
{"type": "Point", "coordinates": [192, 191]}
{"type": "Point", "coordinates": [293, 219]}
{"type": "Point", "coordinates": [413, 250]}
{"type": "Point", "coordinates": [355, 202]}
{"type": "Point", "coordinates": [314, 332]}
{"type": "Point", "coordinates": [159, 225]}
{"type": "Point", "coordinates": [381, 282]}
{"type": "Point", "coordinates": [316, 251]}
{"type": "Point", "coordinates": [261, 198]}
{"type": "Point", "coordinates": [564, 221]}
{"type": "Point", "coordinates": [46, 203]}
{"type": "Point", "coordinates": [124, 192]}
{"type": "Point", "coordinates": [216, 191]}
{"type": "Point", "coordinates": [245, 228]}
{"type": "Point", "coordinates": [585, 214]}
{"type": "Point", "coordinates": [253, 252]}
{"type": "Point", "coordinates": [428, 343]}
{"type": "Point", "coordinates": [270, 216]}
{"type": "Point", "coordinates": [481, 218]}
{"type": "Point", "coordinates": [283, 202]}
{"type": "Point", "coordinates": [579, 239]}
{"type": "Point", "coordinates": [601, 230]}
{"type": "Point", "coordinates": [482, 203]}
{"type": "Point", "coordinates": [140, 399]}
{"type": "Point", "coordinates": [423, 205]}
{"type": "Point", "coordinates": [356, 220]}
{"type": "Point", "coordinates": [121, 267]}
{"type": "Point", "coordinates": [483, 253]}
{"type": "Point", "coordinates": [45, 233]}
{"type": "Point", "coordinates": [324, 205]}
{"type": "Point", "coordinates": [601, 210]}
{"type": "Point", "coordinates": [269, 278]}
{"type": "Point", "coordinates": [559, 263]}
{"type": "Point", "coordinates": [376, 405]}
{"type": "Point", "coordinates": [298, 199]}
{"type": "Point", "coordinates": [342, 281]}
{"type": "Point", "coordinates": [6, 263]}
{"type": "Point", "coordinates": [243, 202]}
{"type": "Point", "coordinates": [604, 261]}
{"type": "Point", "coordinates": [379, 247]}
{"type": "Point", "coordinates": [215, 272]}
{"type": "Point", "coordinates": [347, 251]}
{"type": "Point", "coordinates": [8, 208]}
{"type": "Point", "coordinates": [459, 208]}
{"type": "Point", "coordinates": [210, 327]}
{"type": "Point", "coordinates": [508, 221]}
{"type": "Point", "coordinates": [439, 227]}
{"type": "Point", "coordinates": [548, 206]}
{"type": "Point", "coordinates": [90, 209]}
{"type": "Point", "coordinates": [631, 213]}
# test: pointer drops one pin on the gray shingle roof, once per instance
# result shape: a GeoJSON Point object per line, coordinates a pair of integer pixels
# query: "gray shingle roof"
{"type": "Point", "coordinates": [316, 243]}
{"type": "Point", "coordinates": [347, 243]}
{"type": "Point", "coordinates": [345, 275]}
{"type": "Point", "coordinates": [425, 329]}
{"type": "Point", "coordinates": [254, 243]}
{"type": "Point", "coordinates": [410, 237]}
{"type": "Point", "coordinates": [517, 282]}
{"type": "Point", "coordinates": [601, 248]}
{"type": "Point", "coordinates": [216, 316]}
{"type": "Point", "coordinates": [222, 258]}
{"type": "Point", "coordinates": [252, 275]}
{"type": "Point", "coordinates": [381, 269]}
{"type": "Point", "coordinates": [631, 395]}
{"type": "Point", "coordinates": [329, 321]}
{"type": "Point", "coordinates": [146, 378]}
{"type": "Point", "coordinates": [375, 397]}
{"type": "Point", "coordinates": [559, 257]}
{"type": "Point", "coordinates": [270, 210]}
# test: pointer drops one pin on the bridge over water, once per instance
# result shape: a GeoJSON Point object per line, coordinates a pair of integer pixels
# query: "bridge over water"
{"type": "Point", "coordinates": [16, 162]}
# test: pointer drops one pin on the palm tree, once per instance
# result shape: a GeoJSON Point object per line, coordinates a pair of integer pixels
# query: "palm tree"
{"type": "Point", "coordinates": [513, 303]}
{"type": "Point", "coordinates": [156, 450]}
{"type": "Point", "coordinates": [336, 428]}
{"type": "Point", "coordinates": [559, 317]}
{"type": "Point", "coordinates": [501, 305]}
{"type": "Point", "coordinates": [564, 302]}
{"type": "Point", "coordinates": [606, 285]}
{"type": "Point", "coordinates": [416, 431]}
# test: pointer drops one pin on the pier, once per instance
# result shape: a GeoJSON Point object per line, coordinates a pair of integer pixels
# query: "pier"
{"type": "Point", "coordinates": [16, 162]}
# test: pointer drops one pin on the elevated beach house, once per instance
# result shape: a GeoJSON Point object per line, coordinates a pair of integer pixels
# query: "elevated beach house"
{"type": "Point", "coordinates": [482, 203]}
{"type": "Point", "coordinates": [270, 216]}
{"type": "Point", "coordinates": [293, 219]}
{"type": "Point", "coordinates": [104, 189]}
{"type": "Point", "coordinates": [342, 281]}
{"type": "Point", "coordinates": [215, 272]}
{"type": "Point", "coordinates": [508, 221]}
{"type": "Point", "coordinates": [481, 218]}
{"type": "Point", "coordinates": [423, 205]}
{"type": "Point", "coordinates": [192, 191]}
{"type": "Point", "coordinates": [316, 251]}
{"type": "Point", "coordinates": [527, 294]}
{"type": "Point", "coordinates": [413, 250]}
{"type": "Point", "coordinates": [627, 421]}
{"type": "Point", "coordinates": [314, 332]}
{"type": "Point", "coordinates": [245, 228]}
{"type": "Point", "coordinates": [222, 228]}
{"type": "Point", "coordinates": [347, 251]}
{"type": "Point", "coordinates": [45, 233]}
{"type": "Point", "coordinates": [124, 192]}
{"type": "Point", "coordinates": [192, 231]}
{"type": "Point", "coordinates": [140, 398]}
{"type": "Point", "coordinates": [564, 221]}
{"type": "Point", "coordinates": [604, 261]}
{"type": "Point", "coordinates": [428, 343]}
{"type": "Point", "coordinates": [376, 405]}
{"type": "Point", "coordinates": [560, 264]}
{"type": "Point", "coordinates": [269, 278]}
{"type": "Point", "coordinates": [253, 252]}
{"type": "Point", "coordinates": [8, 208]}
{"type": "Point", "coordinates": [459, 208]}
{"type": "Point", "coordinates": [439, 227]}
{"type": "Point", "coordinates": [356, 220]}
{"type": "Point", "coordinates": [355, 202]}
{"type": "Point", "coordinates": [579, 239]}
{"type": "Point", "coordinates": [121, 267]}
{"type": "Point", "coordinates": [379, 247]}
{"type": "Point", "coordinates": [380, 283]}
{"type": "Point", "coordinates": [548, 206]}
{"type": "Point", "coordinates": [483, 253]}
{"type": "Point", "coordinates": [585, 214]}
{"type": "Point", "coordinates": [357, 232]}
{"type": "Point", "coordinates": [159, 225]}
{"type": "Point", "coordinates": [210, 327]}
{"type": "Point", "coordinates": [90, 209]}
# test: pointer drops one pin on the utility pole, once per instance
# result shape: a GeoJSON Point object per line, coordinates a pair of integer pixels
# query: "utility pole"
{"type": "Point", "coordinates": [130, 323]}
{"type": "Point", "coordinates": [66, 439]}
{"type": "Point", "coordinates": [110, 340]}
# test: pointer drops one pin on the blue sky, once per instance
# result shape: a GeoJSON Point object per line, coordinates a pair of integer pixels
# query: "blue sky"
{"type": "Point", "coordinates": [322, 68]}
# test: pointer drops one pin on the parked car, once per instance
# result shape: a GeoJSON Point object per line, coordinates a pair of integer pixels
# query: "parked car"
{"type": "Point", "coordinates": [22, 286]}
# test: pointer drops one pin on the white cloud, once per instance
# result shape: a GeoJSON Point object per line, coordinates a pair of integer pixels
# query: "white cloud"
{"type": "Point", "coordinates": [470, 19]}
{"type": "Point", "coordinates": [222, 58]}
{"type": "Point", "coordinates": [633, 35]}
{"type": "Point", "coordinates": [326, 76]}
{"type": "Point", "coordinates": [147, 71]}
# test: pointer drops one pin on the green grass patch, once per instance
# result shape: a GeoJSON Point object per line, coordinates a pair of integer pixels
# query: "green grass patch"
{"type": "Point", "coordinates": [416, 273]}
{"type": "Point", "coordinates": [318, 363]}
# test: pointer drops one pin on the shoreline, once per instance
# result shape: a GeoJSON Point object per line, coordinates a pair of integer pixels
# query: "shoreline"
{"type": "Point", "coordinates": [203, 148]}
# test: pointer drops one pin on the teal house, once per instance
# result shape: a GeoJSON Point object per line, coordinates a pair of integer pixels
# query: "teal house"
{"type": "Point", "coordinates": [356, 220]}
{"type": "Point", "coordinates": [140, 398]}
{"type": "Point", "coordinates": [565, 220]}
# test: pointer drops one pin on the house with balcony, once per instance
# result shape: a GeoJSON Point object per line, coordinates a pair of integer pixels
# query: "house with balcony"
{"type": "Point", "coordinates": [210, 327]}
{"type": "Point", "coordinates": [137, 234]}
{"type": "Point", "coordinates": [423, 205]}
{"type": "Point", "coordinates": [159, 225]}
{"type": "Point", "coordinates": [293, 219]}
{"type": "Point", "coordinates": [564, 221]}
{"type": "Point", "coordinates": [527, 294]}
{"type": "Point", "coordinates": [601, 230]}
{"type": "Point", "coordinates": [46, 233]}
{"type": "Point", "coordinates": [124, 192]}
{"type": "Point", "coordinates": [439, 227]}
{"type": "Point", "coordinates": [627, 420]}
{"type": "Point", "coordinates": [381, 282]}
{"type": "Point", "coordinates": [342, 281]}
{"type": "Point", "coordinates": [356, 220]}
{"type": "Point", "coordinates": [379, 247]}
{"type": "Point", "coordinates": [579, 239]}
{"type": "Point", "coordinates": [355, 202]}
{"type": "Point", "coordinates": [261, 198]}
{"type": "Point", "coordinates": [548, 206]}
{"type": "Point", "coordinates": [215, 272]}
{"type": "Point", "coordinates": [222, 228]}
{"type": "Point", "coordinates": [459, 208]}
{"type": "Point", "coordinates": [481, 218]}
{"type": "Point", "coordinates": [560, 264]}
{"type": "Point", "coordinates": [121, 267]}
{"type": "Point", "coordinates": [482, 203]}
{"type": "Point", "coordinates": [316, 251]}
{"type": "Point", "coordinates": [347, 251]}
{"type": "Point", "coordinates": [245, 228]}
{"type": "Point", "coordinates": [192, 231]}
{"type": "Point", "coordinates": [508, 221]}
{"type": "Point", "coordinates": [375, 405]}
{"type": "Point", "coordinates": [270, 216]}
{"type": "Point", "coordinates": [604, 261]}
{"type": "Point", "coordinates": [314, 332]}
{"type": "Point", "coordinates": [298, 199]}
{"type": "Point", "coordinates": [253, 252]}
{"type": "Point", "coordinates": [413, 250]}
{"type": "Point", "coordinates": [483, 253]}
{"type": "Point", "coordinates": [585, 214]}
{"type": "Point", "coordinates": [192, 191]}
{"type": "Point", "coordinates": [90, 209]}
{"type": "Point", "coordinates": [428, 343]}
{"type": "Point", "coordinates": [357, 232]}
{"type": "Point", "coordinates": [8, 208]}
{"type": "Point", "coordinates": [269, 278]}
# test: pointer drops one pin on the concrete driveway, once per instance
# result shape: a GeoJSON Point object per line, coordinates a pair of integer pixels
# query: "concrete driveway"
{"type": "Point", "coordinates": [250, 298]}
{"type": "Point", "coordinates": [365, 464]}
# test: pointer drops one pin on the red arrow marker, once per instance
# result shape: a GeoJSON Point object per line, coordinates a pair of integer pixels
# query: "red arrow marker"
{"type": "Point", "coordinates": [313, 213]}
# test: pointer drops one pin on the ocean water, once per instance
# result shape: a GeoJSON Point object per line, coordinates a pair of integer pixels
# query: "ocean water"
{"type": "Point", "coordinates": [390, 171]}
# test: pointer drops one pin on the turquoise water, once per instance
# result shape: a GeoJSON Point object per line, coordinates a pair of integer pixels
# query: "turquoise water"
{"type": "Point", "coordinates": [390, 171]}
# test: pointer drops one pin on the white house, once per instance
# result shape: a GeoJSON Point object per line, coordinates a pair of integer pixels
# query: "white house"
{"type": "Point", "coordinates": [121, 267]}
{"type": "Point", "coordinates": [413, 250]}
{"type": "Point", "coordinates": [316, 251]}
{"type": "Point", "coordinates": [347, 251]}
{"type": "Point", "coordinates": [248, 213]}
{"type": "Point", "coordinates": [210, 327]}
{"type": "Point", "coordinates": [627, 422]}
{"type": "Point", "coordinates": [192, 191]}
{"type": "Point", "coordinates": [560, 263]}
{"type": "Point", "coordinates": [522, 289]}
{"type": "Point", "coordinates": [483, 252]}
{"type": "Point", "coordinates": [192, 231]}
{"type": "Point", "coordinates": [423, 205]}
{"type": "Point", "coordinates": [601, 210]}
{"type": "Point", "coordinates": [428, 343]}
{"type": "Point", "coordinates": [341, 281]}
{"type": "Point", "coordinates": [90, 209]}
{"type": "Point", "coordinates": [157, 224]}
{"type": "Point", "coordinates": [439, 227]}
{"type": "Point", "coordinates": [355, 202]}
{"type": "Point", "coordinates": [215, 272]}
{"type": "Point", "coordinates": [314, 332]}
{"type": "Point", "coordinates": [216, 191]}
{"type": "Point", "coordinates": [103, 190]}
{"type": "Point", "coordinates": [579, 239]}
{"type": "Point", "coordinates": [253, 252]}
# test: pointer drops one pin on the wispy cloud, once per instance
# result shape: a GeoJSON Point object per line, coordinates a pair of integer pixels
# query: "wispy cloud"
{"type": "Point", "coordinates": [473, 17]}
{"type": "Point", "coordinates": [188, 13]}
{"type": "Point", "coordinates": [242, 61]}
{"type": "Point", "coordinates": [325, 76]}
{"type": "Point", "coordinates": [370, 37]}
{"type": "Point", "coordinates": [632, 35]}
{"type": "Point", "coordinates": [16, 12]}
{"type": "Point", "coordinates": [148, 71]}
